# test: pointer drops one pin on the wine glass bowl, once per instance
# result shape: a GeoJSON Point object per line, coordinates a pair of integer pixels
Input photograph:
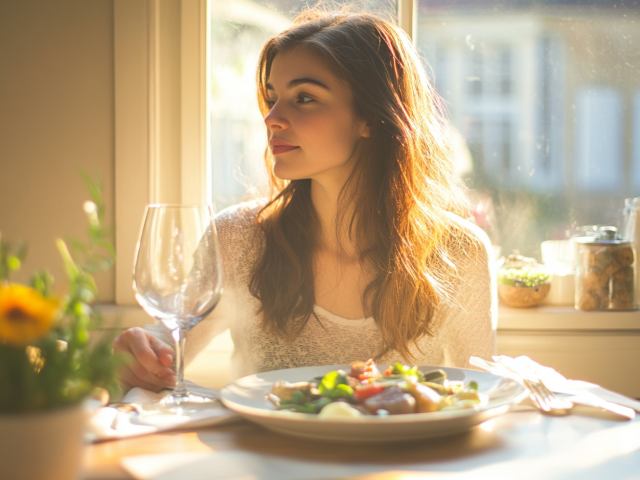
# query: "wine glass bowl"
{"type": "Point", "coordinates": [178, 276]}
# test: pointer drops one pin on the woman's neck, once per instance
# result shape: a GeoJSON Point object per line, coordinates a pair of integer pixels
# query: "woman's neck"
{"type": "Point", "coordinates": [339, 278]}
{"type": "Point", "coordinates": [324, 196]}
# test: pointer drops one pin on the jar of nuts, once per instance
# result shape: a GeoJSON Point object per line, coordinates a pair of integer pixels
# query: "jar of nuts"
{"type": "Point", "coordinates": [605, 272]}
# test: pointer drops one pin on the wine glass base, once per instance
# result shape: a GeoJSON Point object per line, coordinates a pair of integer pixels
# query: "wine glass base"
{"type": "Point", "coordinates": [178, 404]}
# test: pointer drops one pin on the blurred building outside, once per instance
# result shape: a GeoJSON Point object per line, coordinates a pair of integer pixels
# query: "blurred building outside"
{"type": "Point", "coordinates": [548, 100]}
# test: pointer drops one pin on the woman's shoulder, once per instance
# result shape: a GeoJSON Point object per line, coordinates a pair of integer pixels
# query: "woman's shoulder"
{"type": "Point", "coordinates": [239, 218]}
{"type": "Point", "coordinates": [238, 230]}
{"type": "Point", "coordinates": [471, 242]}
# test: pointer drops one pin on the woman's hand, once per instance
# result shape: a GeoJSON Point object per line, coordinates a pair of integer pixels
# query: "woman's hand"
{"type": "Point", "coordinates": [149, 360]}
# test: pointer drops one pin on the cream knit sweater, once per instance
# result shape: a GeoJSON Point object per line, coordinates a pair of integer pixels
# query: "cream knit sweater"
{"type": "Point", "coordinates": [461, 330]}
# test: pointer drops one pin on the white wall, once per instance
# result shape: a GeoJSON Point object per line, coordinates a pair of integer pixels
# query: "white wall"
{"type": "Point", "coordinates": [56, 116]}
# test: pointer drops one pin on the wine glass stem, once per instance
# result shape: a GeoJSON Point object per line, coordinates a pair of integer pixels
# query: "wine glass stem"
{"type": "Point", "coordinates": [180, 337]}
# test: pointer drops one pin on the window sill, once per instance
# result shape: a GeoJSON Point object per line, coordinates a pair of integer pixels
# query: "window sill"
{"type": "Point", "coordinates": [565, 318]}
{"type": "Point", "coordinates": [122, 317]}
{"type": "Point", "coordinates": [544, 318]}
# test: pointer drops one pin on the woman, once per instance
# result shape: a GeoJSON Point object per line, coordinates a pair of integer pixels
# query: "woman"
{"type": "Point", "coordinates": [361, 252]}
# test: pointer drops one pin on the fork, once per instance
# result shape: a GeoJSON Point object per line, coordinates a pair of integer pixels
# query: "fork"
{"type": "Point", "coordinates": [545, 399]}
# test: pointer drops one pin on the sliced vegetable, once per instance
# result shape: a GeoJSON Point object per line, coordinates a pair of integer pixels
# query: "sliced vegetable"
{"type": "Point", "coordinates": [284, 389]}
{"type": "Point", "coordinates": [435, 376]}
{"type": "Point", "coordinates": [367, 391]}
{"type": "Point", "coordinates": [339, 409]}
{"type": "Point", "coordinates": [453, 386]}
{"type": "Point", "coordinates": [437, 387]}
{"type": "Point", "coordinates": [400, 369]}
{"type": "Point", "coordinates": [465, 395]}
{"type": "Point", "coordinates": [427, 399]}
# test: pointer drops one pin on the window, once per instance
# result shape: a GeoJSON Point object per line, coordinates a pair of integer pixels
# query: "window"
{"type": "Point", "coordinates": [546, 95]}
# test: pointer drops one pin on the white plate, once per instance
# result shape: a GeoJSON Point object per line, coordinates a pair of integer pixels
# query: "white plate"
{"type": "Point", "coordinates": [247, 397]}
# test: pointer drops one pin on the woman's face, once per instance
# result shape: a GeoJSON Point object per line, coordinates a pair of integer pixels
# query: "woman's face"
{"type": "Point", "coordinates": [312, 125]}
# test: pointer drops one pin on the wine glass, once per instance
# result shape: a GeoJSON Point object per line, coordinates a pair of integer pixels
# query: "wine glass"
{"type": "Point", "coordinates": [178, 281]}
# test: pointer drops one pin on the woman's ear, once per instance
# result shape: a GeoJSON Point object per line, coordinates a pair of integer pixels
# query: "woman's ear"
{"type": "Point", "coordinates": [365, 131]}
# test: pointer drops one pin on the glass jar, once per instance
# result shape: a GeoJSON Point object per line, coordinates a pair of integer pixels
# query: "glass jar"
{"type": "Point", "coordinates": [605, 272]}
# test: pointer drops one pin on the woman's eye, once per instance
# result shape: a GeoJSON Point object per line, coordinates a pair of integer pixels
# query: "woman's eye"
{"type": "Point", "coordinates": [270, 103]}
{"type": "Point", "coordinates": [304, 99]}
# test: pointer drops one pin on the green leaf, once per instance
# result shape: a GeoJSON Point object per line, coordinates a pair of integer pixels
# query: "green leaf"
{"type": "Point", "coordinates": [42, 281]}
{"type": "Point", "coordinates": [298, 397]}
{"type": "Point", "coordinates": [400, 369]}
{"type": "Point", "coordinates": [328, 382]}
{"type": "Point", "coordinates": [321, 403]}
{"type": "Point", "coordinates": [331, 380]}
{"type": "Point", "coordinates": [69, 265]}
{"type": "Point", "coordinates": [342, 391]}
{"type": "Point", "coordinates": [523, 277]}
{"type": "Point", "coordinates": [13, 263]}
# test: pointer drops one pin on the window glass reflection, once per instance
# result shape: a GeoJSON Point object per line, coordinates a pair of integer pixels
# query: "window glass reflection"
{"type": "Point", "coordinates": [546, 95]}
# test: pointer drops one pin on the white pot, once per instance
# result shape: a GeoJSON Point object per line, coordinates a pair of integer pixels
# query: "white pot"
{"type": "Point", "coordinates": [42, 445]}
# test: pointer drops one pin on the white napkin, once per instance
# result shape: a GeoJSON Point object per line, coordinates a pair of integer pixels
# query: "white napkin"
{"type": "Point", "coordinates": [583, 393]}
{"type": "Point", "coordinates": [109, 423]}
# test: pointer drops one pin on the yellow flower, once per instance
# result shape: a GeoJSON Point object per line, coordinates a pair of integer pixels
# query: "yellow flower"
{"type": "Point", "coordinates": [25, 315]}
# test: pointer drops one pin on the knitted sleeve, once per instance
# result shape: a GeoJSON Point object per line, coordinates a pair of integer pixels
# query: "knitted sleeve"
{"type": "Point", "coordinates": [470, 326]}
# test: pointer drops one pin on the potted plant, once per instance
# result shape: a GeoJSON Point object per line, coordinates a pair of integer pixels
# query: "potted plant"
{"type": "Point", "coordinates": [522, 282]}
{"type": "Point", "coordinates": [49, 365]}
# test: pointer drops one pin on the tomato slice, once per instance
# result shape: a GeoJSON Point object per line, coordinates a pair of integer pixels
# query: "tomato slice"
{"type": "Point", "coordinates": [367, 391]}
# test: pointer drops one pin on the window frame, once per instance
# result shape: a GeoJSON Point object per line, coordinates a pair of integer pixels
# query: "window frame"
{"type": "Point", "coordinates": [161, 125]}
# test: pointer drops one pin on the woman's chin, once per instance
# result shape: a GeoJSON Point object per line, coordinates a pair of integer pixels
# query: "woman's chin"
{"type": "Point", "coordinates": [284, 173]}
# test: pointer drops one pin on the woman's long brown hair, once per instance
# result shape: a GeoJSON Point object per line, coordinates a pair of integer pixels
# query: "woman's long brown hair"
{"type": "Point", "coordinates": [398, 196]}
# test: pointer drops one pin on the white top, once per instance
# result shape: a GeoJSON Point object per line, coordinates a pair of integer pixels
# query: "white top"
{"type": "Point", "coordinates": [465, 329]}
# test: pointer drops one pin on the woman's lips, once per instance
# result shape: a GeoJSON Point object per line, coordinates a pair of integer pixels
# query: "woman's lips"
{"type": "Point", "coordinates": [280, 149]}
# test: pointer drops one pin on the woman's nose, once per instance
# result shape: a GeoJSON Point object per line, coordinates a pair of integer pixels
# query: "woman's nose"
{"type": "Point", "coordinates": [275, 120]}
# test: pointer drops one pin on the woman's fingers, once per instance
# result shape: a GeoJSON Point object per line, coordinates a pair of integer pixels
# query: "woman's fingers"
{"type": "Point", "coordinates": [142, 350]}
{"type": "Point", "coordinates": [145, 366]}
{"type": "Point", "coordinates": [143, 374]}
{"type": "Point", "coordinates": [162, 350]}
{"type": "Point", "coordinates": [130, 380]}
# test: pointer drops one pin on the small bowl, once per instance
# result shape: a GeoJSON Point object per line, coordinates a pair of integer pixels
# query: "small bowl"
{"type": "Point", "coordinates": [523, 296]}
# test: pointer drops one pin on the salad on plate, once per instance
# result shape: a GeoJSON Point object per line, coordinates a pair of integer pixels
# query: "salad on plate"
{"type": "Point", "coordinates": [365, 390]}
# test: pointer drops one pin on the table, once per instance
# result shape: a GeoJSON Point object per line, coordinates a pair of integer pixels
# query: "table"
{"type": "Point", "coordinates": [522, 444]}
